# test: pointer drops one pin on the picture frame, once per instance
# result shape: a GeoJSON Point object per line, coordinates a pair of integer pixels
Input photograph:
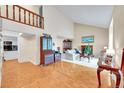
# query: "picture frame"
{"type": "Point", "coordinates": [87, 39]}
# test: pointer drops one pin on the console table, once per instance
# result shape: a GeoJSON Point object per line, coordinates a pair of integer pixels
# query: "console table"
{"type": "Point", "coordinates": [114, 70]}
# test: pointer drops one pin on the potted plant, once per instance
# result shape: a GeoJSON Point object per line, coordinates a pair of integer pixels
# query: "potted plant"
{"type": "Point", "coordinates": [87, 50]}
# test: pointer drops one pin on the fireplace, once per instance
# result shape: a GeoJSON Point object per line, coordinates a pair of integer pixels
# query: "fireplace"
{"type": "Point", "coordinates": [83, 47]}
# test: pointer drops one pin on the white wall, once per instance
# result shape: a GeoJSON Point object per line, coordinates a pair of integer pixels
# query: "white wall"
{"type": "Point", "coordinates": [111, 35]}
{"type": "Point", "coordinates": [100, 37]}
{"type": "Point", "coordinates": [34, 8]}
{"type": "Point", "coordinates": [24, 46]}
{"type": "Point", "coordinates": [9, 55]}
{"type": "Point", "coordinates": [118, 24]}
{"type": "Point", "coordinates": [57, 25]}
{"type": "Point", "coordinates": [29, 49]}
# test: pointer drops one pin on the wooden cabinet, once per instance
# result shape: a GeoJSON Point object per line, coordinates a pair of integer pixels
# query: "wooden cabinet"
{"type": "Point", "coordinates": [46, 53]}
{"type": "Point", "coordinates": [67, 44]}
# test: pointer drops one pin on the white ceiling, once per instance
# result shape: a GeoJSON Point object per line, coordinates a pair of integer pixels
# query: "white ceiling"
{"type": "Point", "coordinates": [95, 15]}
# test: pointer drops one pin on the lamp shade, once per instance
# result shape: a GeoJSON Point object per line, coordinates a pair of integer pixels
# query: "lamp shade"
{"type": "Point", "coordinates": [110, 52]}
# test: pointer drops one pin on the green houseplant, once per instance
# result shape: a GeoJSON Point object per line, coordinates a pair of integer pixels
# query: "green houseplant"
{"type": "Point", "coordinates": [87, 50]}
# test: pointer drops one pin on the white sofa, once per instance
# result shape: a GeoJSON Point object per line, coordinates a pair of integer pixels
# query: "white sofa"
{"type": "Point", "coordinates": [72, 55]}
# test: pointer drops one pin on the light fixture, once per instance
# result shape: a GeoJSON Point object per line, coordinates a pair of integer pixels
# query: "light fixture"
{"type": "Point", "coordinates": [20, 34]}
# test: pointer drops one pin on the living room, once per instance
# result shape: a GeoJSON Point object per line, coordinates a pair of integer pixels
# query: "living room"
{"type": "Point", "coordinates": [80, 28]}
{"type": "Point", "coordinates": [60, 25]}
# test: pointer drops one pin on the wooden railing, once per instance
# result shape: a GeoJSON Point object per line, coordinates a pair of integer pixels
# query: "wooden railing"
{"type": "Point", "coordinates": [21, 15]}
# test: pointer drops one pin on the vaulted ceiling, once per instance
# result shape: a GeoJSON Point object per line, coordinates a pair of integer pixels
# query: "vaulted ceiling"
{"type": "Point", "coordinates": [95, 15]}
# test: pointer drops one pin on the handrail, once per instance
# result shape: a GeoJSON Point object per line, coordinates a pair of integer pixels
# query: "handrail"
{"type": "Point", "coordinates": [21, 15]}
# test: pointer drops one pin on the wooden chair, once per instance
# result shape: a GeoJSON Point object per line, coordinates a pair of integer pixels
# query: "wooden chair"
{"type": "Point", "coordinates": [122, 65]}
{"type": "Point", "coordinates": [115, 70]}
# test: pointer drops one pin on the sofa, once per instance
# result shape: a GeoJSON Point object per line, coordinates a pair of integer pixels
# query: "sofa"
{"type": "Point", "coordinates": [72, 55]}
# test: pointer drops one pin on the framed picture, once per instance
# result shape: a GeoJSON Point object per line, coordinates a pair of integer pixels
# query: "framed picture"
{"type": "Point", "coordinates": [87, 39]}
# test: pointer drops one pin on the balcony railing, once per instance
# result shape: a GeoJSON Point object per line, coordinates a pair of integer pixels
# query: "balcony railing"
{"type": "Point", "coordinates": [21, 15]}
